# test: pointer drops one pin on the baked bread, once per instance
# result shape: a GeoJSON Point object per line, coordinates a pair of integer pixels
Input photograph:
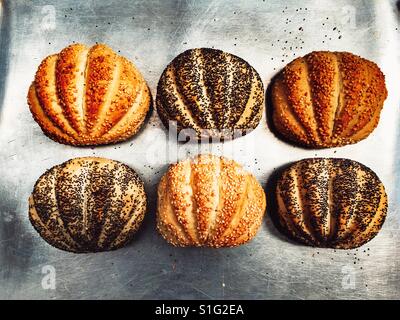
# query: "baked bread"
{"type": "Point", "coordinates": [209, 201]}
{"type": "Point", "coordinates": [88, 96]}
{"type": "Point", "coordinates": [328, 99]}
{"type": "Point", "coordinates": [327, 202]}
{"type": "Point", "coordinates": [211, 94]}
{"type": "Point", "coordinates": [88, 205]}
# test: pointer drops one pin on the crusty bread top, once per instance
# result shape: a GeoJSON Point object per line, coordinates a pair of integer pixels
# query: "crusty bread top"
{"type": "Point", "coordinates": [209, 201]}
{"type": "Point", "coordinates": [88, 204]}
{"type": "Point", "coordinates": [88, 96]}
{"type": "Point", "coordinates": [328, 99]}
{"type": "Point", "coordinates": [329, 202]}
{"type": "Point", "coordinates": [212, 92]}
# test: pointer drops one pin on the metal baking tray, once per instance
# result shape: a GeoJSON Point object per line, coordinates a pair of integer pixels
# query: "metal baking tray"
{"type": "Point", "coordinates": [268, 34]}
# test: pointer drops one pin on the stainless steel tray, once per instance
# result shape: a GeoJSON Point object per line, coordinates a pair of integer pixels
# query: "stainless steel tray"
{"type": "Point", "coordinates": [267, 34]}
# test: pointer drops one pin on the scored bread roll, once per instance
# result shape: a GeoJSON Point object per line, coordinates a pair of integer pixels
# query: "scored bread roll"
{"type": "Point", "coordinates": [329, 202]}
{"type": "Point", "coordinates": [209, 201]}
{"type": "Point", "coordinates": [88, 96]}
{"type": "Point", "coordinates": [88, 205]}
{"type": "Point", "coordinates": [214, 93]}
{"type": "Point", "coordinates": [328, 99]}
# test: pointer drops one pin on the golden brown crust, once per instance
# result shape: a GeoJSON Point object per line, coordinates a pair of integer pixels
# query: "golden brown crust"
{"type": "Point", "coordinates": [328, 99]}
{"type": "Point", "coordinates": [88, 96]}
{"type": "Point", "coordinates": [40, 116]}
{"type": "Point", "coordinates": [209, 201]}
{"type": "Point", "coordinates": [327, 202]}
{"type": "Point", "coordinates": [71, 83]}
{"type": "Point", "coordinates": [88, 205]}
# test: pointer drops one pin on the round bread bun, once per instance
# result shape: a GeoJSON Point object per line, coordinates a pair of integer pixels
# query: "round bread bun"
{"type": "Point", "coordinates": [88, 96]}
{"type": "Point", "coordinates": [209, 201]}
{"type": "Point", "coordinates": [211, 94]}
{"type": "Point", "coordinates": [328, 99]}
{"type": "Point", "coordinates": [88, 205]}
{"type": "Point", "coordinates": [329, 202]}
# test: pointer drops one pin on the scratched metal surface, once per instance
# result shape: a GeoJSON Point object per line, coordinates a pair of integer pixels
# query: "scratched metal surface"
{"type": "Point", "coordinates": [267, 34]}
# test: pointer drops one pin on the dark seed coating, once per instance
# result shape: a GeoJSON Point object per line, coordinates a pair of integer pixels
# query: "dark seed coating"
{"type": "Point", "coordinates": [88, 205]}
{"type": "Point", "coordinates": [211, 92]}
{"type": "Point", "coordinates": [328, 202]}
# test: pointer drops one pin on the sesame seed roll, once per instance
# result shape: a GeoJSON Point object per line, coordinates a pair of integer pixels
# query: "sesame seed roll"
{"type": "Point", "coordinates": [328, 99]}
{"type": "Point", "coordinates": [209, 201]}
{"type": "Point", "coordinates": [88, 96]}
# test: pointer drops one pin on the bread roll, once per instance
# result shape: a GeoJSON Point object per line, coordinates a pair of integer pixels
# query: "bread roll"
{"type": "Point", "coordinates": [214, 93]}
{"type": "Point", "coordinates": [88, 96]}
{"type": "Point", "coordinates": [209, 201]}
{"type": "Point", "coordinates": [336, 203]}
{"type": "Point", "coordinates": [88, 205]}
{"type": "Point", "coordinates": [328, 99]}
